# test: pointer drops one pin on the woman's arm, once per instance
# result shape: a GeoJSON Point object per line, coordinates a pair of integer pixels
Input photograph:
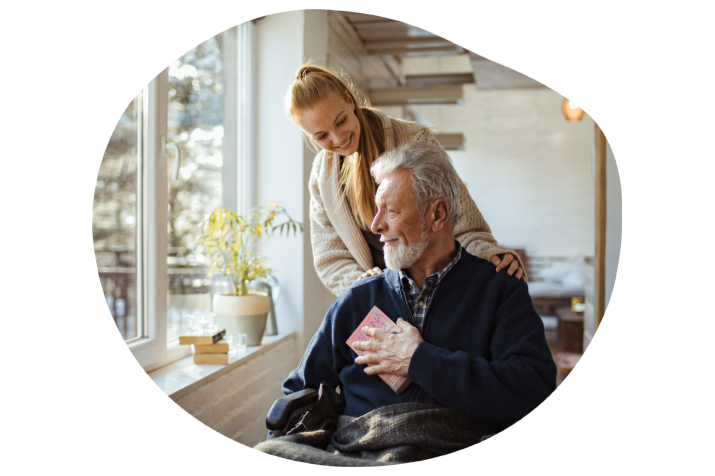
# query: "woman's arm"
{"type": "Point", "coordinates": [335, 265]}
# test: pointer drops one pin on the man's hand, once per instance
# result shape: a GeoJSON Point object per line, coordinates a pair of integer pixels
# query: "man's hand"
{"type": "Point", "coordinates": [390, 353]}
{"type": "Point", "coordinates": [507, 259]}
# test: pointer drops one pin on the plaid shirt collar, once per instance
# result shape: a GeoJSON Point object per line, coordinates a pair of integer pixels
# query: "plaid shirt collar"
{"type": "Point", "coordinates": [418, 301]}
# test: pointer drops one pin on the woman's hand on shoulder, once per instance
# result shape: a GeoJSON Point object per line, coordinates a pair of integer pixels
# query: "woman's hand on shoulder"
{"type": "Point", "coordinates": [370, 272]}
{"type": "Point", "coordinates": [507, 259]}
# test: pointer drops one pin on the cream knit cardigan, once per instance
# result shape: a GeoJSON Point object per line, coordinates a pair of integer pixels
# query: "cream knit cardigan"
{"type": "Point", "coordinates": [340, 252]}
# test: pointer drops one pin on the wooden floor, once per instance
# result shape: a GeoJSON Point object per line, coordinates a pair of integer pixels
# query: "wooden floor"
{"type": "Point", "coordinates": [565, 361]}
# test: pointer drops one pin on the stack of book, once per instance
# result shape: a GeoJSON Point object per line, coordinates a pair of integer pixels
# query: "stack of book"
{"type": "Point", "coordinates": [208, 349]}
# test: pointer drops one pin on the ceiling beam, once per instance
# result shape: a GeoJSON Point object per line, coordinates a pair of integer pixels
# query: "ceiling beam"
{"type": "Point", "coordinates": [451, 141]}
{"type": "Point", "coordinates": [404, 96]}
{"type": "Point", "coordinates": [453, 49]}
{"type": "Point", "coordinates": [362, 17]}
{"type": "Point", "coordinates": [442, 79]}
{"type": "Point", "coordinates": [388, 44]}
{"type": "Point", "coordinates": [379, 25]}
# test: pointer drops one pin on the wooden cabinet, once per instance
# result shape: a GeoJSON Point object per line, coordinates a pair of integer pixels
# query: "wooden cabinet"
{"type": "Point", "coordinates": [570, 330]}
{"type": "Point", "coordinates": [588, 313]}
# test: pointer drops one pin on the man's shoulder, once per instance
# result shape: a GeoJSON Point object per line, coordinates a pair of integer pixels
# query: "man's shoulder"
{"type": "Point", "coordinates": [474, 267]}
{"type": "Point", "coordinates": [365, 287]}
{"type": "Point", "coordinates": [483, 271]}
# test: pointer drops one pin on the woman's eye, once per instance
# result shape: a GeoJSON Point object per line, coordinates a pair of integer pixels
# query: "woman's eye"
{"type": "Point", "coordinates": [342, 122]}
{"type": "Point", "coordinates": [322, 137]}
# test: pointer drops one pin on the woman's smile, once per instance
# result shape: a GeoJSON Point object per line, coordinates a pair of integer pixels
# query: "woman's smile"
{"type": "Point", "coordinates": [345, 144]}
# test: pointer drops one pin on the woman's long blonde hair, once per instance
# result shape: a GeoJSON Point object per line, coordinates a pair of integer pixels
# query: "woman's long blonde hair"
{"type": "Point", "coordinates": [311, 84]}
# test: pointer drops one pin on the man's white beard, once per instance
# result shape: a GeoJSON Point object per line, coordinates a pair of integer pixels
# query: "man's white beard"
{"type": "Point", "coordinates": [402, 256]}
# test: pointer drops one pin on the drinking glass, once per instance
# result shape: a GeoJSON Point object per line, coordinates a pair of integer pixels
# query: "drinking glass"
{"type": "Point", "coordinates": [213, 325]}
{"type": "Point", "coordinates": [236, 342]}
{"type": "Point", "coordinates": [207, 323]}
{"type": "Point", "coordinates": [194, 324]}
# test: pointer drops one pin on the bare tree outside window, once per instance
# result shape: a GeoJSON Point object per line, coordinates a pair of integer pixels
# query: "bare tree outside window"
{"type": "Point", "coordinates": [114, 221]}
{"type": "Point", "coordinates": [196, 117]}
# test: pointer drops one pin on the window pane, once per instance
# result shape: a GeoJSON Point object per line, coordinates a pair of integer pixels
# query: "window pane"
{"type": "Point", "coordinates": [196, 114]}
{"type": "Point", "coordinates": [114, 222]}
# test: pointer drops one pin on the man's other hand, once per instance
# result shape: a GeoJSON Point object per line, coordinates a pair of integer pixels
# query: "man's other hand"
{"type": "Point", "coordinates": [390, 353]}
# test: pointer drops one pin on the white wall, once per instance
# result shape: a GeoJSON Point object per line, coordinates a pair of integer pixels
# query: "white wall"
{"type": "Point", "coordinates": [526, 167]}
{"type": "Point", "coordinates": [279, 166]}
{"type": "Point", "coordinates": [283, 165]}
{"type": "Point", "coordinates": [317, 298]}
{"type": "Point", "coordinates": [613, 222]}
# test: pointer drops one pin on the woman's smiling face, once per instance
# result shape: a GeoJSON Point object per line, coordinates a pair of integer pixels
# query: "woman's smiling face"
{"type": "Point", "coordinates": [332, 123]}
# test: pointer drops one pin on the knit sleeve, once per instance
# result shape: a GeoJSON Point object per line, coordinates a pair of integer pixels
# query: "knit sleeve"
{"type": "Point", "coordinates": [335, 265]}
{"type": "Point", "coordinates": [471, 229]}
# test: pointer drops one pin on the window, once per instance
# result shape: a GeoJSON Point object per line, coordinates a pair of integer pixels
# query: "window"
{"type": "Point", "coordinates": [145, 222]}
{"type": "Point", "coordinates": [114, 221]}
{"type": "Point", "coordinates": [196, 126]}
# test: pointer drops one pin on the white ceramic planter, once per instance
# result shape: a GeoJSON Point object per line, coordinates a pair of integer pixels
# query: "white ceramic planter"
{"type": "Point", "coordinates": [245, 314]}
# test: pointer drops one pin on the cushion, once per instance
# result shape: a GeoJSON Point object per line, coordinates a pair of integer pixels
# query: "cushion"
{"type": "Point", "coordinates": [569, 273]}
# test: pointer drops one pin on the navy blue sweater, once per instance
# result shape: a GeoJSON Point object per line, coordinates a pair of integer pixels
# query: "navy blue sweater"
{"type": "Point", "coordinates": [484, 349]}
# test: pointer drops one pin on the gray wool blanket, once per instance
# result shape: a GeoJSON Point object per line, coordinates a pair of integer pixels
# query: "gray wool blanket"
{"type": "Point", "coordinates": [401, 433]}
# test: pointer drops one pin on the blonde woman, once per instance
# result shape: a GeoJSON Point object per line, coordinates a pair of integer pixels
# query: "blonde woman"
{"type": "Point", "coordinates": [350, 138]}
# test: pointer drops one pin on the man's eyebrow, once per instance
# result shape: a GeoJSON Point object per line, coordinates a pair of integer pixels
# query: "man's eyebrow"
{"type": "Point", "coordinates": [334, 121]}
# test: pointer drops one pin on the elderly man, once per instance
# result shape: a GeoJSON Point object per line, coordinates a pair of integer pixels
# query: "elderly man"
{"type": "Point", "coordinates": [470, 338]}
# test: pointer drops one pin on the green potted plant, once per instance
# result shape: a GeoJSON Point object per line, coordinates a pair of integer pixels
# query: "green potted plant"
{"type": "Point", "coordinates": [232, 244]}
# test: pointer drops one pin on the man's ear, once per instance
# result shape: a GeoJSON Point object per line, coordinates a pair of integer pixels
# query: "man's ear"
{"type": "Point", "coordinates": [439, 214]}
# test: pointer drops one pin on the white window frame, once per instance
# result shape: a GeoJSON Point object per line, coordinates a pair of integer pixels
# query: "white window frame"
{"type": "Point", "coordinates": [152, 237]}
{"type": "Point", "coordinates": [153, 350]}
{"type": "Point", "coordinates": [247, 117]}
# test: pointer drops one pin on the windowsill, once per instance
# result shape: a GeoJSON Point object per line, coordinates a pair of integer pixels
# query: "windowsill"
{"type": "Point", "coordinates": [184, 376]}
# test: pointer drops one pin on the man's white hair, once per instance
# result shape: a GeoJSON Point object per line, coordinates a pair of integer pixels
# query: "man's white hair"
{"type": "Point", "coordinates": [433, 175]}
